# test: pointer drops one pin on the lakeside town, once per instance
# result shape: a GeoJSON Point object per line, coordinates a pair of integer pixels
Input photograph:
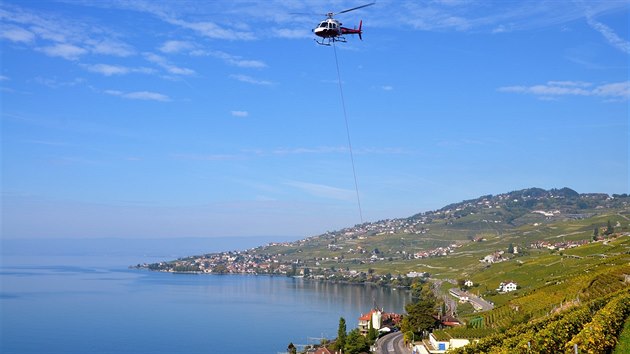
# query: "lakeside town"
{"type": "Point", "coordinates": [253, 262]}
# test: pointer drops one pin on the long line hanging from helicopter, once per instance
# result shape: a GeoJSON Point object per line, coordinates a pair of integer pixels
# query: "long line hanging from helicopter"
{"type": "Point", "coordinates": [330, 30]}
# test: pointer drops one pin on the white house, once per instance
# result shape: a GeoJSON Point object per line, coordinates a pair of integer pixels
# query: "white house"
{"type": "Point", "coordinates": [488, 259]}
{"type": "Point", "coordinates": [416, 274]}
{"type": "Point", "coordinates": [468, 283]}
{"type": "Point", "coordinates": [436, 346]}
{"type": "Point", "coordinates": [373, 318]}
{"type": "Point", "coordinates": [506, 287]}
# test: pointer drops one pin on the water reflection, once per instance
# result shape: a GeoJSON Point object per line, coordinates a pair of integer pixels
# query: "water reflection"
{"type": "Point", "coordinates": [360, 297]}
{"type": "Point", "coordinates": [132, 311]}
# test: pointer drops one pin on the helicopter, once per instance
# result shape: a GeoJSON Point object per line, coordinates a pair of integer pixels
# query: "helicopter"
{"type": "Point", "coordinates": [330, 29]}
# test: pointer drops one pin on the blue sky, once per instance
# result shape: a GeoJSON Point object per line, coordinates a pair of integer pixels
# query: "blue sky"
{"type": "Point", "coordinates": [224, 118]}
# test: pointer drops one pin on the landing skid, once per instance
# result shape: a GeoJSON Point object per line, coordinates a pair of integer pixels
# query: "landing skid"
{"type": "Point", "coordinates": [328, 41]}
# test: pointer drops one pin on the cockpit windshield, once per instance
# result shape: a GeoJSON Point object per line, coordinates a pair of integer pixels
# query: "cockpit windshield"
{"type": "Point", "coordinates": [323, 24]}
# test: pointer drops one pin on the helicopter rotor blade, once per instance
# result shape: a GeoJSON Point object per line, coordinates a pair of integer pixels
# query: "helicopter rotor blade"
{"type": "Point", "coordinates": [307, 13]}
{"type": "Point", "coordinates": [356, 8]}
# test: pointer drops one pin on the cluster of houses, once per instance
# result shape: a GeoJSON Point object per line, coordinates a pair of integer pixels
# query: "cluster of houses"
{"type": "Point", "coordinates": [243, 263]}
{"type": "Point", "coordinates": [495, 257]}
{"type": "Point", "coordinates": [414, 274]}
{"type": "Point", "coordinates": [237, 262]}
{"type": "Point", "coordinates": [547, 214]}
{"type": "Point", "coordinates": [436, 252]}
{"type": "Point", "coordinates": [388, 226]}
{"type": "Point", "coordinates": [560, 246]}
{"type": "Point", "coordinates": [377, 256]}
{"type": "Point", "coordinates": [379, 320]}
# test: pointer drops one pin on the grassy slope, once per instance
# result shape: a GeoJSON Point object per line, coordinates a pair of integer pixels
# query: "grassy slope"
{"type": "Point", "coordinates": [464, 262]}
{"type": "Point", "coordinates": [624, 340]}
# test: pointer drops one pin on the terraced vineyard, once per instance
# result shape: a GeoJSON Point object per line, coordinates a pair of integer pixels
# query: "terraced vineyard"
{"type": "Point", "coordinates": [592, 326]}
{"type": "Point", "coordinates": [584, 306]}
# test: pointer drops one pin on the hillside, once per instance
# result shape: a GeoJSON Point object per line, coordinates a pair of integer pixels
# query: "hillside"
{"type": "Point", "coordinates": [447, 243]}
{"type": "Point", "coordinates": [566, 254]}
{"type": "Point", "coordinates": [460, 230]}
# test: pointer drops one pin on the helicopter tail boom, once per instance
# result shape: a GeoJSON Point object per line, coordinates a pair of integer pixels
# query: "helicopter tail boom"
{"type": "Point", "coordinates": [359, 31]}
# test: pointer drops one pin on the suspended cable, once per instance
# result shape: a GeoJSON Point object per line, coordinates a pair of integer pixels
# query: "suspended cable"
{"type": "Point", "coordinates": [345, 116]}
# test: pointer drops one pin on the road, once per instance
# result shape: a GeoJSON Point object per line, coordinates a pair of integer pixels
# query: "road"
{"type": "Point", "coordinates": [392, 344]}
{"type": "Point", "coordinates": [479, 303]}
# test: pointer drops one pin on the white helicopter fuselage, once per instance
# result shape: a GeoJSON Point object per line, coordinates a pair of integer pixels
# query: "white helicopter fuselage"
{"type": "Point", "coordinates": [328, 28]}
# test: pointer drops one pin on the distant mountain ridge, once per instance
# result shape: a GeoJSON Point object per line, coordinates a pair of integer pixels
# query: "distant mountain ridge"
{"type": "Point", "coordinates": [500, 213]}
{"type": "Point", "coordinates": [529, 197]}
{"type": "Point", "coordinates": [509, 208]}
{"type": "Point", "coordinates": [514, 205]}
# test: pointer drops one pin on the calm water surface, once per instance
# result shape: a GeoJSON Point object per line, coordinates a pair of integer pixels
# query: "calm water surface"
{"type": "Point", "coordinates": [94, 304]}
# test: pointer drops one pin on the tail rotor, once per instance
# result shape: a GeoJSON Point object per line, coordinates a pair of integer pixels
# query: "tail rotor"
{"type": "Point", "coordinates": [360, 32]}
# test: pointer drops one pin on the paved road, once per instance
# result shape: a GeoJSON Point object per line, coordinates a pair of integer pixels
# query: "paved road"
{"type": "Point", "coordinates": [480, 303]}
{"type": "Point", "coordinates": [392, 344]}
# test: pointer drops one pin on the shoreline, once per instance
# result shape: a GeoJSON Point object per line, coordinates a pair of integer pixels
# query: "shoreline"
{"type": "Point", "coordinates": [406, 288]}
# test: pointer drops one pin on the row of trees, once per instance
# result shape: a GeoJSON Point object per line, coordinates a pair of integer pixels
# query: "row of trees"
{"type": "Point", "coordinates": [420, 311]}
{"type": "Point", "coordinates": [354, 342]}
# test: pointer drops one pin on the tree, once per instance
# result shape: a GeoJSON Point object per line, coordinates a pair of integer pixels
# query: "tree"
{"type": "Point", "coordinates": [511, 248]}
{"type": "Point", "coordinates": [291, 348]}
{"type": "Point", "coordinates": [372, 333]}
{"type": "Point", "coordinates": [341, 334]}
{"type": "Point", "coordinates": [419, 289]}
{"type": "Point", "coordinates": [420, 311]}
{"type": "Point", "coordinates": [461, 282]}
{"type": "Point", "coordinates": [609, 229]}
{"type": "Point", "coordinates": [356, 343]}
{"type": "Point", "coordinates": [293, 270]}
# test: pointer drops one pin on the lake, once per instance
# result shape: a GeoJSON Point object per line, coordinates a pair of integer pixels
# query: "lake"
{"type": "Point", "coordinates": [76, 301]}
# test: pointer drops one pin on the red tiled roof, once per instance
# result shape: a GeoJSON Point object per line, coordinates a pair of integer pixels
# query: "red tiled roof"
{"type": "Point", "coordinates": [368, 316]}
